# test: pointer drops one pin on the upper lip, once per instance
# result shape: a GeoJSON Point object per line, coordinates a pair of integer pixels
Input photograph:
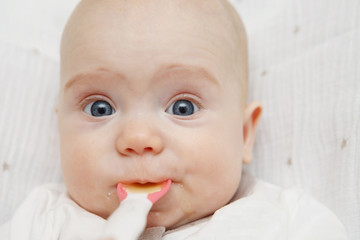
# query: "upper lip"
{"type": "Point", "coordinates": [143, 181]}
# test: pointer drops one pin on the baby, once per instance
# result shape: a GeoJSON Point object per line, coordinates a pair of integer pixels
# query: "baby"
{"type": "Point", "coordinates": [155, 90]}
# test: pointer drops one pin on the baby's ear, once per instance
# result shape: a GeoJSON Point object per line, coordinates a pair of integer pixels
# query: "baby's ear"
{"type": "Point", "coordinates": [251, 118]}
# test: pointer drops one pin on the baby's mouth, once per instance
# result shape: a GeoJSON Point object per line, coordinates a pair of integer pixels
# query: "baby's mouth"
{"type": "Point", "coordinates": [142, 187]}
{"type": "Point", "coordinates": [154, 191]}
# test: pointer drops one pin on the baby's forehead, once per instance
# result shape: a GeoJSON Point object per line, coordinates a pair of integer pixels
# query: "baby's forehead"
{"type": "Point", "coordinates": [219, 11]}
{"type": "Point", "coordinates": [190, 23]}
{"type": "Point", "coordinates": [125, 5]}
{"type": "Point", "coordinates": [214, 18]}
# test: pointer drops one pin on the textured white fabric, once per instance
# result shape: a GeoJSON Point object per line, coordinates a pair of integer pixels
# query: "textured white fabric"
{"type": "Point", "coordinates": [304, 67]}
{"type": "Point", "coordinates": [49, 214]}
{"type": "Point", "coordinates": [268, 212]}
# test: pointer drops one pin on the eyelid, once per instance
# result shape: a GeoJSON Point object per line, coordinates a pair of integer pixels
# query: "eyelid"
{"type": "Point", "coordinates": [94, 98]}
{"type": "Point", "coordinates": [185, 96]}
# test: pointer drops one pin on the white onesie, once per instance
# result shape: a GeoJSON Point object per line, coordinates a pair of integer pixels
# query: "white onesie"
{"type": "Point", "coordinates": [263, 211]}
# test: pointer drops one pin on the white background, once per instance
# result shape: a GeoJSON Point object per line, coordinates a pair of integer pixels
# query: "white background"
{"type": "Point", "coordinates": [304, 67]}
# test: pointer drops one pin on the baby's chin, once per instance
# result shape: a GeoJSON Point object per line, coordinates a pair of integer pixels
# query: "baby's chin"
{"type": "Point", "coordinates": [165, 219]}
{"type": "Point", "coordinates": [173, 218]}
{"type": "Point", "coordinates": [162, 215]}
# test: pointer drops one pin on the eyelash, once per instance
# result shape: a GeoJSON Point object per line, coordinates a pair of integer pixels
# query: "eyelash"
{"type": "Point", "coordinates": [94, 98]}
{"type": "Point", "coordinates": [185, 96]}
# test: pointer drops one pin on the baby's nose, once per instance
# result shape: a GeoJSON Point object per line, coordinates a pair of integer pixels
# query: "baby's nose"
{"type": "Point", "coordinates": [139, 138]}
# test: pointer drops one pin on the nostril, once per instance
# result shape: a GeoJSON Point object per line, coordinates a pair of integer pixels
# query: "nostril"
{"type": "Point", "coordinates": [139, 144]}
{"type": "Point", "coordinates": [139, 151]}
{"type": "Point", "coordinates": [148, 149]}
{"type": "Point", "coordinates": [130, 150]}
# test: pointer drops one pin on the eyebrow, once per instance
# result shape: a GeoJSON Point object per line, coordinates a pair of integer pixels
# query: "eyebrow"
{"type": "Point", "coordinates": [188, 70]}
{"type": "Point", "coordinates": [163, 72]}
{"type": "Point", "coordinates": [80, 77]}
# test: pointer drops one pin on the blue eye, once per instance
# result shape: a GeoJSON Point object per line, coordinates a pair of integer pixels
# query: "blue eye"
{"type": "Point", "coordinates": [182, 108]}
{"type": "Point", "coordinates": [99, 109]}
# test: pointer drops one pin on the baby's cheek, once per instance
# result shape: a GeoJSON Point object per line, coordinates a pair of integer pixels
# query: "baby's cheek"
{"type": "Point", "coordinates": [213, 179]}
{"type": "Point", "coordinates": [76, 163]}
{"type": "Point", "coordinates": [84, 171]}
{"type": "Point", "coordinates": [79, 171]}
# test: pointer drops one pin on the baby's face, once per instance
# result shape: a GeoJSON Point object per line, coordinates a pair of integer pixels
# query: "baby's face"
{"type": "Point", "coordinates": [148, 93]}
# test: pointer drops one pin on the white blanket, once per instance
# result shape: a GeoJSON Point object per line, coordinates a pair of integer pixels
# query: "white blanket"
{"type": "Point", "coordinates": [304, 67]}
